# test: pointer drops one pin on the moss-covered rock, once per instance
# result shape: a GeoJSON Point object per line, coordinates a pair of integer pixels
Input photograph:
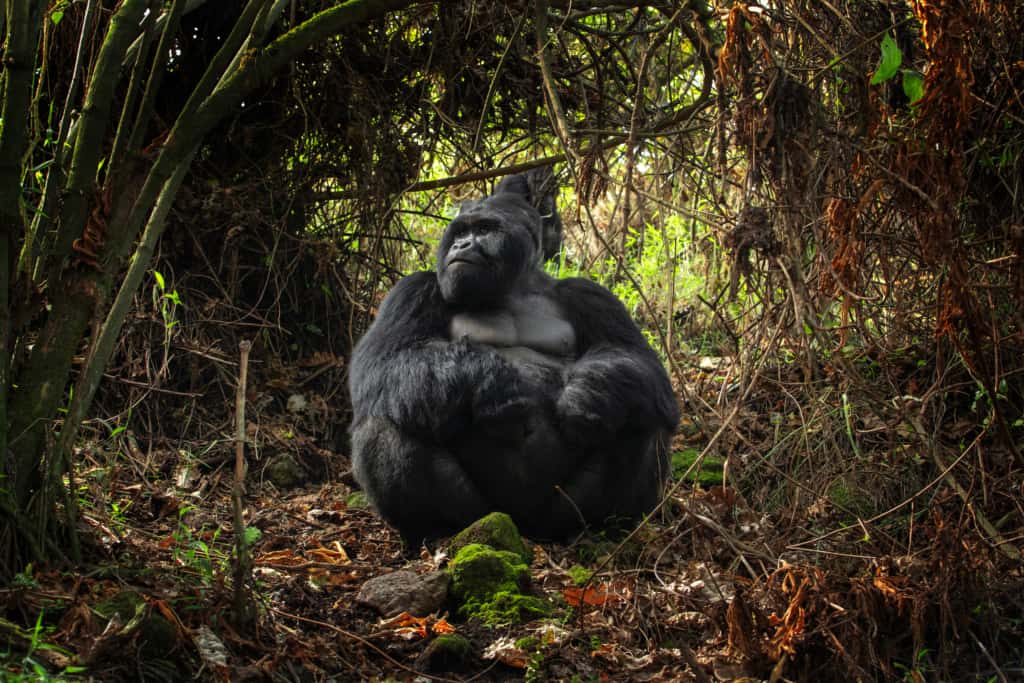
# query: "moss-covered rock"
{"type": "Point", "coordinates": [480, 571]}
{"type": "Point", "coordinates": [489, 585]}
{"type": "Point", "coordinates": [506, 607]}
{"type": "Point", "coordinates": [496, 530]}
{"type": "Point", "coordinates": [710, 472]}
{"type": "Point", "coordinates": [284, 472]}
{"type": "Point", "coordinates": [448, 652]}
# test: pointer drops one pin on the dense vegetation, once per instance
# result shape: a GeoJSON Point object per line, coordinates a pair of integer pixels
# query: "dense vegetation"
{"type": "Point", "coordinates": [814, 209]}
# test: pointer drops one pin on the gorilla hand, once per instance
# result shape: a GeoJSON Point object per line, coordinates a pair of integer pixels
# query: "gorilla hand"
{"type": "Point", "coordinates": [500, 408]}
{"type": "Point", "coordinates": [506, 420]}
{"type": "Point", "coordinates": [590, 408]}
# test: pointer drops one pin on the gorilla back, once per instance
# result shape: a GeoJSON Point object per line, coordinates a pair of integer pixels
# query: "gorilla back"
{"type": "Point", "coordinates": [488, 385]}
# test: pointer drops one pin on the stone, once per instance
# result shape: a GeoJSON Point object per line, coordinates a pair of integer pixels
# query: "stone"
{"type": "Point", "coordinates": [405, 591]}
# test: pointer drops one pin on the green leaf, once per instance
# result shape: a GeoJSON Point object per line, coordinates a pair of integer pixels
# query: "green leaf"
{"type": "Point", "coordinates": [913, 85]}
{"type": "Point", "coordinates": [252, 534]}
{"type": "Point", "coordinates": [159, 279]}
{"type": "Point", "coordinates": [892, 57]}
{"type": "Point", "coordinates": [56, 16]}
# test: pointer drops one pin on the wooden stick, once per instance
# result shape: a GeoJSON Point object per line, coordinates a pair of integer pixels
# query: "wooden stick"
{"type": "Point", "coordinates": [243, 605]}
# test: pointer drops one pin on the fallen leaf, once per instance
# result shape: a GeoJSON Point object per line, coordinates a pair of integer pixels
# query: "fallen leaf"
{"type": "Point", "coordinates": [407, 626]}
{"type": "Point", "coordinates": [442, 626]}
{"type": "Point", "coordinates": [593, 595]}
{"type": "Point", "coordinates": [285, 557]}
{"type": "Point", "coordinates": [335, 555]}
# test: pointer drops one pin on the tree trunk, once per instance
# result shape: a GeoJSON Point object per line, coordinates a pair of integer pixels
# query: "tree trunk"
{"type": "Point", "coordinates": [23, 21]}
{"type": "Point", "coordinates": [96, 229]}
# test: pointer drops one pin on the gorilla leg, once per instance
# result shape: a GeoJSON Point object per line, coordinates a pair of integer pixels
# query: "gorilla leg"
{"type": "Point", "coordinates": [517, 475]}
{"type": "Point", "coordinates": [612, 484]}
{"type": "Point", "coordinates": [419, 488]}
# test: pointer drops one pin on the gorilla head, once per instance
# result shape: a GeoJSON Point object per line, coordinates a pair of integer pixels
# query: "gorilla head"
{"type": "Point", "coordinates": [487, 249]}
{"type": "Point", "coordinates": [496, 241]}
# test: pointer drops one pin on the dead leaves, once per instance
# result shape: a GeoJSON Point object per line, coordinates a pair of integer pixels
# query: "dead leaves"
{"type": "Point", "coordinates": [597, 595]}
{"type": "Point", "coordinates": [409, 627]}
{"type": "Point", "coordinates": [327, 566]}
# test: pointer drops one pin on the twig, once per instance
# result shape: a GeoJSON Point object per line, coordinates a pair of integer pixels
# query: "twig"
{"type": "Point", "coordinates": [1001, 544]}
{"type": "Point", "coordinates": [555, 111]}
{"type": "Point", "coordinates": [243, 604]}
{"type": "Point", "coordinates": [984, 651]}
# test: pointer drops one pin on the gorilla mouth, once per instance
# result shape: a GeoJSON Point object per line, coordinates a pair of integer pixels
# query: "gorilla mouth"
{"type": "Point", "coordinates": [467, 261]}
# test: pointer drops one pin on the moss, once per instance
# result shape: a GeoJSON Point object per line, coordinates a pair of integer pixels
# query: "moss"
{"type": "Point", "coordinates": [447, 652]}
{"type": "Point", "coordinates": [496, 530]}
{"type": "Point", "coordinates": [357, 500]}
{"type": "Point", "coordinates": [454, 644]}
{"type": "Point", "coordinates": [480, 571]}
{"type": "Point", "coordinates": [506, 607]}
{"type": "Point", "coordinates": [850, 497]}
{"type": "Point", "coordinates": [489, 586]}
{"type": "Point", "coordinates": [579, 574]}
{"type": "Point", "coordinates": [710, 472]}
{"type": "Point", "coordinates": [527, 643]}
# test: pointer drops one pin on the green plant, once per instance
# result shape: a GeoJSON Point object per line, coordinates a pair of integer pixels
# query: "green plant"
{"type": "Point", "coordinates": [28, 668]}
{"type": "Point", "coordinates": [710, 472]}
{"type": "Point", "coordinates": [167, 303]}
{"type": "Point", "coordinates": [534, 668]}
{"type": "Point", "coordinates": [193, 552]}
{"type": "Point", "coordinates": [919, 669]}
{"type": "Point", "coordinates": [889, 65]}
{"type": "Point", "coordinates": [117, 514]}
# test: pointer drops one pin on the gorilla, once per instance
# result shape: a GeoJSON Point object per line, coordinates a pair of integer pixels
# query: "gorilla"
{"type": "Point", "coordinates": [490, 385]}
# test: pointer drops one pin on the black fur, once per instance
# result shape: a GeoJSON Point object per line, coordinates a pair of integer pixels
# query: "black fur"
{"type": "Point", "coordinates": [447, 429]}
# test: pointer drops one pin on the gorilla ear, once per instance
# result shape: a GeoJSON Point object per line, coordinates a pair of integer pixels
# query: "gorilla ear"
{"type": "Point", "coordinates": [539, 187]}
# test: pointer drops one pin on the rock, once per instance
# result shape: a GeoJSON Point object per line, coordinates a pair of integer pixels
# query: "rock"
{"type": "Point", "coordinates": [448, 652]}
{"type": "Point", "coordinates": [405, 591]}
{"type": "Point", "coordinates": [297, 403]}
{"type": "Point", "coordinates": [496, 530]}
{"type": "Point", "coordinates": [283, 472]}
{"type": "Point", "coordinates": [132, 624]}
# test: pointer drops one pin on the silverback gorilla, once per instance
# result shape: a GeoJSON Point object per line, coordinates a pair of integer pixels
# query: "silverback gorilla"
{"type": "Point", "coordinates": [489, 385]}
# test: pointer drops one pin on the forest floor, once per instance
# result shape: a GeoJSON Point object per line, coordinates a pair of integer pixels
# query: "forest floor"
{"type": "Point", "coordinates": [652, 610]}
{"type": "Point", "coordinates": [708, 589]}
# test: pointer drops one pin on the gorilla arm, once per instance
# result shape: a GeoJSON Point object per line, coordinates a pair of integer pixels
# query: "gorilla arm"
{"type": "Point", "coordinates": [414, 395]}
{"type": "Point", "coordinates": [618, 381]}
{"type": "Point", "coordinates": [405, 369]}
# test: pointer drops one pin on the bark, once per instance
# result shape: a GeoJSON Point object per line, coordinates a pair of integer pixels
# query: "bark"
{"type": "Point", "coordinates": [41, 382]}
{"type": "Point", "coordinates": [92, 128]}
{"type": "Point", "coordinates": [22, 23]}
{"type": "Point", "coordinates": [84, 286]}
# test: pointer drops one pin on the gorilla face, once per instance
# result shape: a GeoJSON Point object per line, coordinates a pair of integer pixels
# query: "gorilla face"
{"type": "Point", "coordinates": [487, 249]}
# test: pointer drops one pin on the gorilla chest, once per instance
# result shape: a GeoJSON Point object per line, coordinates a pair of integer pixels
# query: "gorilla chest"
{"type": "Point", "coordinates": [530, 329]}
